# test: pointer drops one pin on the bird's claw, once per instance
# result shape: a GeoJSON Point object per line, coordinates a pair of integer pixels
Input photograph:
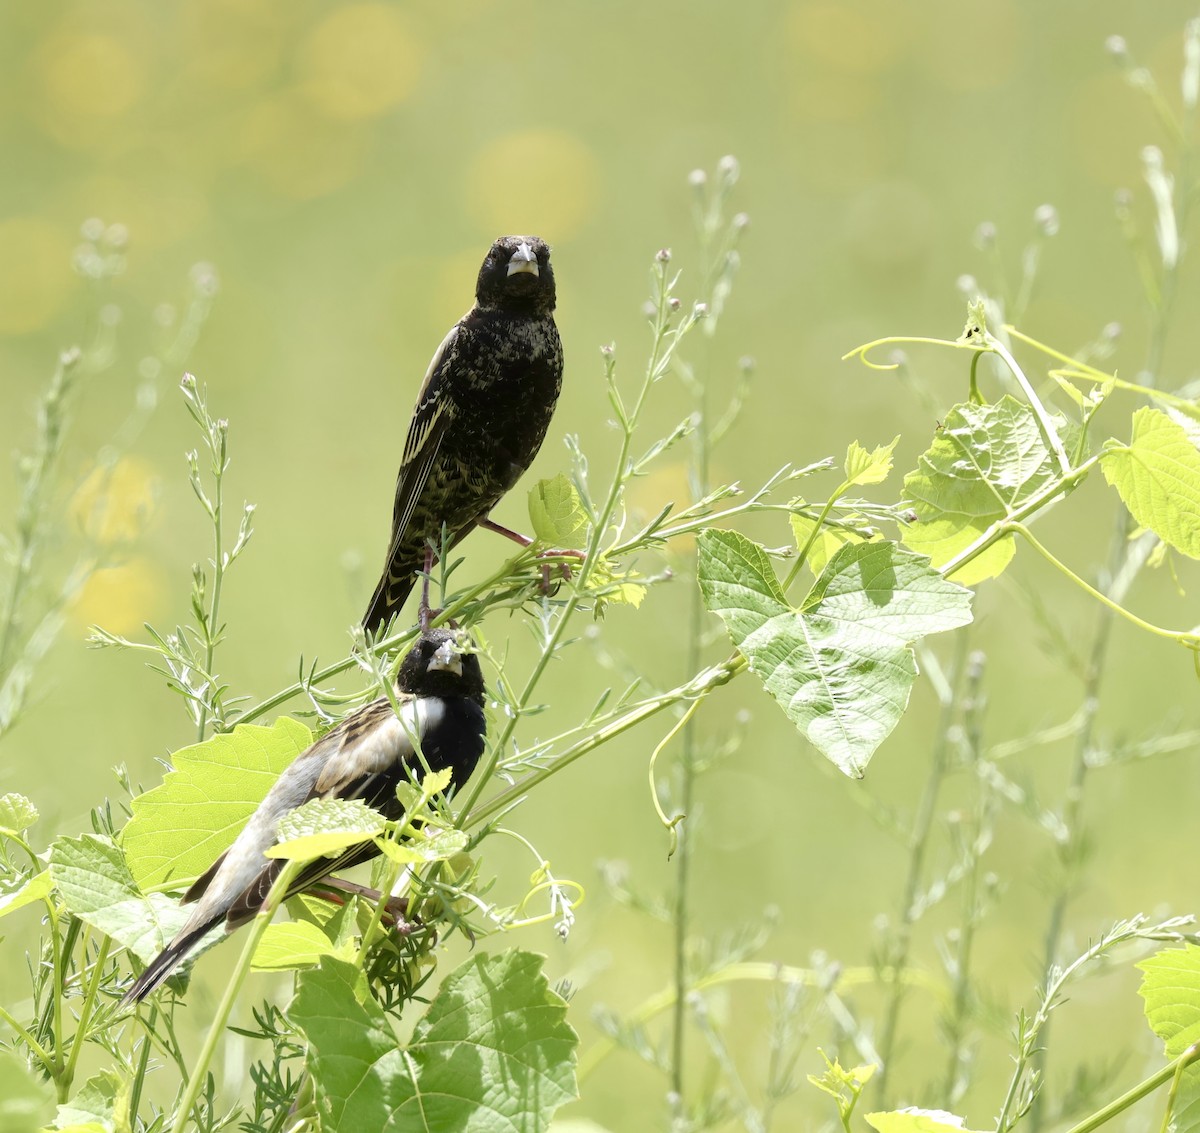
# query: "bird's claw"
{"type": "Point", "coordinates": [564, 568]}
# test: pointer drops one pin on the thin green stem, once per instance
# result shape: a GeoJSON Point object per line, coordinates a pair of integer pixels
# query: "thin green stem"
{"type": "Point", "coordinates": [1131, 1096]}
{"type": "Point", "coordinates": [751, 971]}
{"type": "Point", "coordinates": [665, 341]}
{"type": "Point", "coordinates": [52, 419]}
{"type": "Point", "coordinates": [39, 1051]}
{"type": "Point", "coordinates": [710, 678]}
{"type": "Point", "coordinates": [59, 992]}
{"type": "Point", "coordinates": [1186, 638]}
{"type": "Point", "coordinates": [85, 1012]}
{"type": "Point", "coordinates": [143, 1064]}
{"type": "Point", "coordinates": [1003, 527]}
{"type": "Point", "coordinates": [918, 844]}
{"type": "Point", "coordinates": [183, 1113]}
{"type": "Point", "coordinates": [802, 558]}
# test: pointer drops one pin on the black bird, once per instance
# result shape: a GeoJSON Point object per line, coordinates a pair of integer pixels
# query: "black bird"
{"type": "Point", "coordinates": [440, 692]}
{"type": "Point", "coordinates": [480, 418]}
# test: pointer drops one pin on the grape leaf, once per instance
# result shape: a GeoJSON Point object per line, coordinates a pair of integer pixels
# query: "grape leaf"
{"type": "Point", "coordinates": [492, 1052]}
{"type": "Point", "coordinates": [182, 826]}
{"type": "Point", "coordinates": [840, 665]}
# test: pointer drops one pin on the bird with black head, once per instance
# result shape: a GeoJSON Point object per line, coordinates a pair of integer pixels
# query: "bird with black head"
{"type": "Point", "coordinates": [440, 693]}
{"type": "Point", "coordinates": [481, 415]}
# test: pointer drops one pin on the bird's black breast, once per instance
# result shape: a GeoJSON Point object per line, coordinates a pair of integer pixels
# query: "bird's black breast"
{"type": "Point", "coordinates": [504, 379]}
{"type": "Point", "coordinates": [456, 739]}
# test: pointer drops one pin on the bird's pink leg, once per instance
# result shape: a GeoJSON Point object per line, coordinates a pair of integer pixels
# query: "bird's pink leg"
{"type": "Point", "coordinates": [396, 908]}
{"type": "Point", "coordinates": [525, 541]}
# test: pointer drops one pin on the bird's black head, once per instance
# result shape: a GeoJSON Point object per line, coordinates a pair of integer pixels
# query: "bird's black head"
{"type": "Point", "coordinates": [438, 665]}
{"type": "Point", "coordinates": [517, 276]}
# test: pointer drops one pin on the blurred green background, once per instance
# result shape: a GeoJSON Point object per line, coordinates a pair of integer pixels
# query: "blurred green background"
{"type": "Point", "coordinates": [342, 168]}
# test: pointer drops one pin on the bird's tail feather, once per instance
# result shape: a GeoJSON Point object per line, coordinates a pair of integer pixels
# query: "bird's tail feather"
{"type": "Point", "coordinates": [389, 596]}
{"type": "Point", "coordinates": [166, 962]}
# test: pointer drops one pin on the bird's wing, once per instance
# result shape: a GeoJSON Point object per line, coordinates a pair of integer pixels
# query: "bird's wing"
{"type": "Point", "coordinates": [373, 748]}
{"type": "Point", "coordinates": [432, 417]}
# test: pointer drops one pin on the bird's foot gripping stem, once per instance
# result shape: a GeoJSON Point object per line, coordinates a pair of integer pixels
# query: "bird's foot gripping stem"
{"type": "Point", "coordinates": [559, 553]}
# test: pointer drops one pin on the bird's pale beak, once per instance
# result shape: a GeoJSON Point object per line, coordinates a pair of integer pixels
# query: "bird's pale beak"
{"type": "Point", "coordinates": [446, 660]}
{"type": "Point", "coordinates": [523, 260]}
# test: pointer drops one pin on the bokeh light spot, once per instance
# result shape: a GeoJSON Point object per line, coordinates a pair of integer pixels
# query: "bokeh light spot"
{"type": "Point", "coordinates": [859, 37]}
{"type": "Point", "coordinates": [297, 154]}
{"type": "Point", "coordinates": [121, 598]}
{"type": "Point", "coordinates": [535, 181]}
{"type": "Point", "coordinates": [35, 273]}
{"type": "Point", "coordinates": [359, 62]}
{"type": "Point", "coordinates": [114, 505]}
{"type": "Point", "coordinates": [90, 75]}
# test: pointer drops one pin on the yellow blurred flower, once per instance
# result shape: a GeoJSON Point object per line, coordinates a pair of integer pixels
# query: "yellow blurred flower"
{"type": "Point", "coordinates": [114, 505]}
{"type": "Point", "coordinates": [234, 44]}
{"type": "Point", "coordinates": [359, 62]}
{"type": "Point", "coordinates": [121, 598]}
{"type": "Point", "coordinates": [297, 153]}
{"type": "Point", "coordinates": [533, 181]}
{"type": "Point", "coordinates": [35, 273]}
{"type": "Point", "coordinates": [863, 38]}
{"type": "Point", "coordinates": [92, 74]}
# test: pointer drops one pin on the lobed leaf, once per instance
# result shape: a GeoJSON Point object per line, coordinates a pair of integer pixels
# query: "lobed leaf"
{"type": "Point", "coordinates": [325, 826]}
{"type": "Point", "coordinates": [292, 944]}
{"type": "Point", "coordinates": [30, 890]}
{"type": "Point", "coordinates": [17, 814]}
{"type": "Point", "coordinates": [1171, 992]}
{"type": "Point", "coordinates": [95, 884]}
{"type": "Point", "coordinates": [180, 827]}
{"type": "Point", "coordinates": [494, 1034]}
{"type": "Point", "coordinates": [556, 513]}
{"type": "Point", "coordinates": [913, 1120]}
{"type": "Point", "coordinates": [984, 462]}
{"type": "Point", "coordinates": [1157, 476]}
{"type": "Point", "coordinates": [869, 466]}
{"type": "Point", "coordinates": [840, 665]}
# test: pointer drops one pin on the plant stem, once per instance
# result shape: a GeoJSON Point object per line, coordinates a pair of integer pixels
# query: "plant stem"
{"type": "Point", "coordinates": [702, 683]}
{"type": "Point", "coordinates": [85, 1012]}
{"type": "Point", "coordinates": [1131, 1096]}
{"type": "Point", "coordinates": [51, 426]}
{"type": "Point", "coordinates": [918, 843]}
{"type": "Point", "coordinates": [183, 1112]}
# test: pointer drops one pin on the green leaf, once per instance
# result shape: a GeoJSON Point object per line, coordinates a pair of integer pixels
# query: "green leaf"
{"type": "Point", "coordinates": [844, 1086]}
{"type": "Point", "coordinates": [913, 1120]}
{"type": "Point", "coordinates": [984, 463]}
{"type": "Point", "coordinates": [556, 513]}
{"type": "Point", "coordinates": [608, 585]}
{"type": "Point", "coordinates": [180, 828]}
{"type": "Point", "coordinates": [840, 666]}
{"type": "Point", "coordinates": [438, 848]}
{"type": "Point", "coordinates": [1171, 992]}
{"type": "Point", "coordinates": [492, 1052]}
{"type": "Point", "coordinates": [869, 467]}
{"type": "Point", "coordinates": [25, 1104]}
{"type": "Point", "coordinates": [95, 884]}
{"type": "Point", "coordinates": [102, 1103]}
{"type": "Point", "coordinates": [292, 944]}
{"type": "Point", "coordinates": [325, 826]}
{"type": "Point", "coordinates": [31, 890]}
{"type": "Point", "coordinates": [1157, 476]}
{"type": "Point", "coordinates": [17, 814]}
{"type": "Point", "coordinates": [824, 546]}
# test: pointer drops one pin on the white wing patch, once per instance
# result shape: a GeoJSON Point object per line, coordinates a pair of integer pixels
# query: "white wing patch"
{"type": "Point", "coordinates": [382, 747]}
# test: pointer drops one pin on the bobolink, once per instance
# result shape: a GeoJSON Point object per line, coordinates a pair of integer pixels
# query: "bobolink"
{"type": "Point", "coordinates": [480, 418]}
{"type": "Point", "coordinates": [366, 756]}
